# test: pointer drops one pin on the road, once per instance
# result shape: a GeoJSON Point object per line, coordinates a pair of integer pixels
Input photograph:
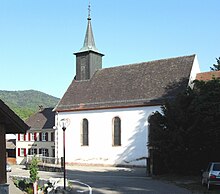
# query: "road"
{"type": "Point", "coordinates": [110, 180]}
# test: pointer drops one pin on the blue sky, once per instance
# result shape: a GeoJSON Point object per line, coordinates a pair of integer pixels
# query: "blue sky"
{"type": "Point", "coordinates": [38, 37]}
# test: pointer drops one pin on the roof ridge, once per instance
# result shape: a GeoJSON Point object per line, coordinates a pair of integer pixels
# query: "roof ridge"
{"type": "Point", "coordinates": [153, 61]}
{"type": "Point", "coordinates": [129, 85]}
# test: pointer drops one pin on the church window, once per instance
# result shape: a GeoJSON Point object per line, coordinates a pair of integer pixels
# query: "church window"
{"type": "Point", "coordinates": [116, 132]}
{"type": "Point", "coordinates": [85, 133]}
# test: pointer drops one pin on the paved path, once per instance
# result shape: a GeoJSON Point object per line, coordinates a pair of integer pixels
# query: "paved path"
{"type": "Point", "coordinates": [12, 188]}
{"type": "Point", "coordinates": [110, 180]}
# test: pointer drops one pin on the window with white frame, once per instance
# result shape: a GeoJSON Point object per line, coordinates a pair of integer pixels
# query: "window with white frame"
{"type": "Point", "coordinates": [44, 136]}
{"type": "Point", "coordinates": [21, 137]}
{"type": "Point", "coordinates": [44, 152]}
{"type": "Point", "coordinates": [32, 151]}
{"type": "Point", "coordinates": [22, 151]}
{"type": "Point", "coordinates": [32, 136]}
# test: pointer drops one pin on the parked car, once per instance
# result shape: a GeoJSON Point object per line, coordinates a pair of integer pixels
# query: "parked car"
{"type": "Point", "coordinates": [211, 176]}
{"type": "Point", "coordinates": [8, 168]}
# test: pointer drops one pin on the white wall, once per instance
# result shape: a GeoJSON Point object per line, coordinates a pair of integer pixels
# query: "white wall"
{"type": "Point", "coordinates": [195, 70]}
{"type": "Point", "coordinates": [34, 144]}
{"type": "Point", "coordinates": [134, 136]}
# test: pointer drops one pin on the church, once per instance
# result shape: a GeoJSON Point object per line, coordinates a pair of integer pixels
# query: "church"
{"type": "Point", "coordinates": [107, 109]}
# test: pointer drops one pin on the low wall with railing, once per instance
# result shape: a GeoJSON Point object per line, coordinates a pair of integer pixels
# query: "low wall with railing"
{"type": "Point", "coordinates": [44, 159]}
{"type": "Point", "coordinates": [46, 163]}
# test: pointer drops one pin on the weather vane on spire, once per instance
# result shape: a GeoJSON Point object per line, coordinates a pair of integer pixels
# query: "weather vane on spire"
{"type": "Point", "coordinates": [89, 10]}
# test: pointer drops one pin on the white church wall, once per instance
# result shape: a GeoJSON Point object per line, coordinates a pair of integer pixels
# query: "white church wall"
{"type": "Point", "coordinates": [134, 136]}
{"type": "Point", "coordinates": [195, 70]}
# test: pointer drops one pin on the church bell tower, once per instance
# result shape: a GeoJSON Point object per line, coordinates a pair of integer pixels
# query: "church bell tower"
{"type": "Point", "coordinates": [88, 58]}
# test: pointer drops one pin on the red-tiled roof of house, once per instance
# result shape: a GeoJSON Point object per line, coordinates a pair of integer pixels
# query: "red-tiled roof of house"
{"type": "Point", "coordinates": [206, 76]}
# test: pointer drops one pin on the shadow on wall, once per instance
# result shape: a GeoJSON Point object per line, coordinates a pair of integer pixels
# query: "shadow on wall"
{"type": "Point", "coordinates": [135, 152]}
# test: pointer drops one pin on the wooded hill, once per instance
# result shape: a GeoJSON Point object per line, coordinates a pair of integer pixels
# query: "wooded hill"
{"type": "Point", "coordinates": [27, 102]}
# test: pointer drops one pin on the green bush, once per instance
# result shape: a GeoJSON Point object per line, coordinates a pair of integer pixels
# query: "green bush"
{"type": "Point", "coordinates": [29, 190]}
{"type": "Point", "coordinates": [34, 170]}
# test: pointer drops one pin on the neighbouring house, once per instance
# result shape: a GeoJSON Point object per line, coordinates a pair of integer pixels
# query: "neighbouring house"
{"type": "Point", "coordinates": [109, 108]}
{"type": "Point", "coordinates": [205, 76]}
{"type": "Point", "coordinates": [10, 123]}
{"type": "Point", "coordinates": [39, 139]}
{"type": "Point", "coordinates": [11, 150]}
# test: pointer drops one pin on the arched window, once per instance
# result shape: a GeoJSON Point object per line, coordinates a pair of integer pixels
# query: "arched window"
{"type": "Point", "coordinates": [85, 133]}
{"type": "Point", "coordinates": [116, 132]}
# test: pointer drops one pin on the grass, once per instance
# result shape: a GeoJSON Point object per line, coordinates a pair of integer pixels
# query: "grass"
{"type": "Point", "coordinates": [192, 183]}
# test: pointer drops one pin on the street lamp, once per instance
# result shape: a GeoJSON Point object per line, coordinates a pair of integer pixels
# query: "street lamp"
{"type": "Point", "coordinates": [64, 123]}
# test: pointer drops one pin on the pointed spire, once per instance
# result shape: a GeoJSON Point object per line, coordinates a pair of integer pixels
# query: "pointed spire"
{"type": "Point", "coordinates": [88, 59]}
{"type": "Point", "coordinates": [89, 42]}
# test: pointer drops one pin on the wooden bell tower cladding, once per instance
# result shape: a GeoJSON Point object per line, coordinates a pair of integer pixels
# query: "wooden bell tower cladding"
{"type": "Point", "coordinates": [88, 59]}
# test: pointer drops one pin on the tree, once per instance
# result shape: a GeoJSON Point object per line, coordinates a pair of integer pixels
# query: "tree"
{"type": "Point", "coordinates": [34, 173]}
{"type": "Point", "coordinates": [216, 67]}
{"type": "Point", "coordinates": [185, 135]}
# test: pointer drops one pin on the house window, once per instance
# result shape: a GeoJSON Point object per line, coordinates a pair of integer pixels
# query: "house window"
{"type": "Point", "coordinates": [35, 136]}
{"type": "Point", "coordinates": [53, 152]}
{"type": "Point", "coordinates": [32, 137]}
{"type": "Point", "coordinates": [32, 151]}
{"type": "Point", "coordinates": [21, 137]}
{"type": "Point", "coordinates": [22, 152]}
{"type": "Point", "coordinates": [85, 133]}
{"type": "Point", "coordinates": [44, 152]}
{"type": "Point", "coordinates": [52, 136]}
{"type": "Point", "coordinates": [116, 132]}
{"type": "Point", "coordinates": [44, 136]}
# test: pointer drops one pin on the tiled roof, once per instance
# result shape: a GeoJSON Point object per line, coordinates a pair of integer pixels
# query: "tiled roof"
{"type": "Point", "coordinates": [129, 85]}
{"type": "Point", "coordinates": [44, 119]}
{"type": "Point", "coordinates": [205, 76]}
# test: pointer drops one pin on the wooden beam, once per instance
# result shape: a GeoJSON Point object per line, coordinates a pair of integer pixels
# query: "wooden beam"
{"type": "Point", "coordinates": [3, 177]}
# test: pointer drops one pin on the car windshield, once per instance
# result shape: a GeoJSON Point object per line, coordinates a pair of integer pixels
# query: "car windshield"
{"type": "Point", "coordinates": [216, 167]}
